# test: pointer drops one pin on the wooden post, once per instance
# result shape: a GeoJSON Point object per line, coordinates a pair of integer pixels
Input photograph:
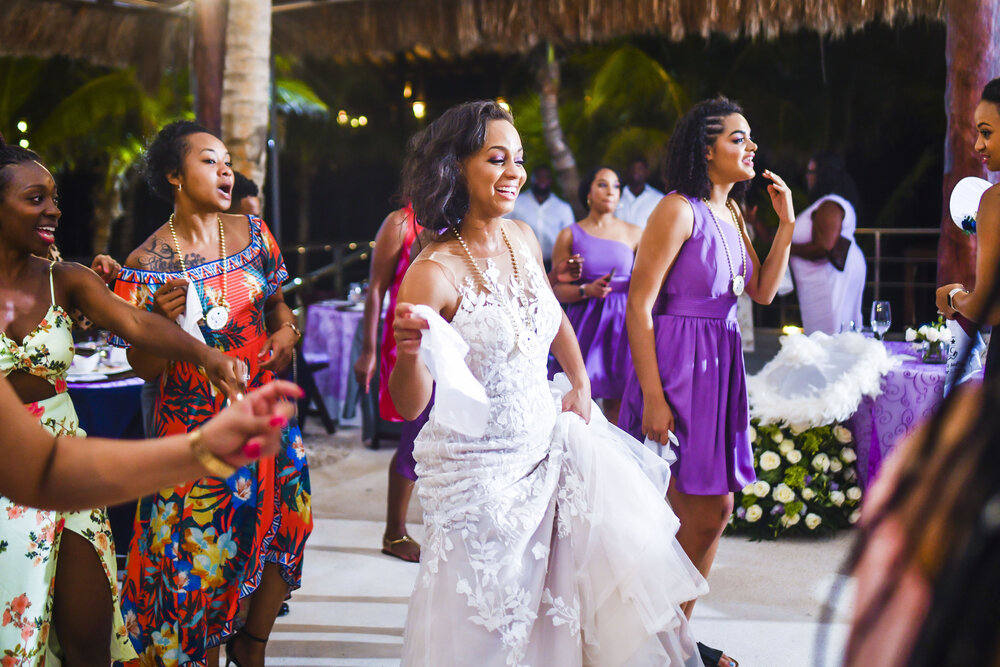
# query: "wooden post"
{"type": "Point", "coordinates": [208, 58]}
{"type": "Point", "coordinates": [972, 51]}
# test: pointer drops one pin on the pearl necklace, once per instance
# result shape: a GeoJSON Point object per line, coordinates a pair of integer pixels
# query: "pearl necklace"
{"type": "Point", "coordinates": [217, 317]}
{"type": "Point", "coordinates": [738, 282]}
{"type": "Point", "coordinates": [521, 320]}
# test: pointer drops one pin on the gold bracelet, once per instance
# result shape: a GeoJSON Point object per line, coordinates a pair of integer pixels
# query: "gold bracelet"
{"type": "Point", "coordinates": [206, 458]}
{"type": "Point", "coordinates": [294, 328]}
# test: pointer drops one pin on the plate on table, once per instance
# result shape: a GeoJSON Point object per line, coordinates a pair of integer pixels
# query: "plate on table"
{"type": "Point", "coordinates": [85, 377]}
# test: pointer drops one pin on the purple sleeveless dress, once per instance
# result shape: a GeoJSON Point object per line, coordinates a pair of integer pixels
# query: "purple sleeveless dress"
{"type": "Point", "coordinates": [700, 356]}
{"type": "Point", "coordinates": [600, 323]}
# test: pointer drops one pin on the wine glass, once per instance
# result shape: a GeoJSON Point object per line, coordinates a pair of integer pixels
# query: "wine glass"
{"type": "Point", "coordinates": [881, 318]}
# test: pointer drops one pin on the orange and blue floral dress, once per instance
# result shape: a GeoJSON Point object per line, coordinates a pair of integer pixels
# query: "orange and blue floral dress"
{"type": "Point", "coordinates": [199, 549]}
{"type": "Point", "coordinates": [29, 538]}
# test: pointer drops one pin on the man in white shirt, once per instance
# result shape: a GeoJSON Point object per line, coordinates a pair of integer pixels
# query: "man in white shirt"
{"type": "Point", "coordinates": [638, 199]}
{"type": "Point", "coordinates": [543, 211]}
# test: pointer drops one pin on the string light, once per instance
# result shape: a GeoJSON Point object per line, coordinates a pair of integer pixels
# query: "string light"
{"type": "Point", "coordinates": [362, 120]}
{"type": "Point", "coordinates": [791, 330]}
{"type": "Point", "coordinates": [22, 126]}
{"type": "Point", "coordinates": [24, 143]}
{"type": "Point", "coordinates": [407, 90]}
{"type": "Point", "coordinates": [419, 109]}
{"type": "Point", "coordinates": [354, 122]}
{"type": "Point", "coordinates": [342, 118]}
{"type": "Point", "coordinates": [503, 104]}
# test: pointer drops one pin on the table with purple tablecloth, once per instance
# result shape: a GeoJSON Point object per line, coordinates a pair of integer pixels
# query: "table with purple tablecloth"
{"type": "Point", "coordinates": [330, 329]}
{"type": "Point", "coordinates": [109, 408]}
{"type": "Point", "coordinates": [910, 392]}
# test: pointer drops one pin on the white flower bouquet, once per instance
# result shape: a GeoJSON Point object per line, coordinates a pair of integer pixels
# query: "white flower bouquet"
{"type": "Point", "coordinates": [933, 339]}
{"type": "Point", "coordinates": [806, 482]}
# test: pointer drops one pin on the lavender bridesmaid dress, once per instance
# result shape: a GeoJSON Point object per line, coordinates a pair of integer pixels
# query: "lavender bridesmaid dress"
{"type": "Point", "coordinates": [700, 357]}
{"type": "Point", "coordinates": [600, 323]}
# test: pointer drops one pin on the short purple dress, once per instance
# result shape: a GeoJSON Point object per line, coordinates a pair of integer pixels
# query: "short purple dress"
{"type": "Point", "coordinates": [700, 356]}
{"type": "Point", "coordinates": [600, 323]}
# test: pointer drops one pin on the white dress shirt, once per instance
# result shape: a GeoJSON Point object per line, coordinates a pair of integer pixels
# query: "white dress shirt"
{"type": "Point", "coordinates": [637, 209]}
{"type": "Point", "coordinates": [546, 219]}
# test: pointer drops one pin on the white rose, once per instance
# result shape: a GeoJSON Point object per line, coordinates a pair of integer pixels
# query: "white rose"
{"type": "Point", "coordinates": [769, 460]}
{"type": "Point", "coordinates": [789, 521]}
{"type": "Point", "coordinates": [933, 335]}
{"type": "Point", "coordinates": [794, 456]}
{"type": "Point", "coordinates": [786, 447]}
{"type": "Point", "coordinates": [821, 462]}
{"type": "Point", "coordinates": [842, 434]}
{"type": "Point", "coordinates": [837, 498]}
{"type": "Point", "coordinates": [753, 434]}
{"type": "Point", "coordinates": [761, 488]}
{"type": "Point", "coordinates": [754, 513]}
{"type": "Point", "coordinates": [850, 475]}
{"type": "Point", "coordinates": [808, 494]}
{"type": "Point", "coordinates": [847, 455]}
{"type": "Point", "coordinates": [854, 517]}
{"type": "Point", "coordinates": [797, 429]}
{"type": "Point", "coordinates": [783, 493]}
{"type": "Point", "coordinates": [911, 335]}
{"type": "Point", "coordinates": [836, 465]}
{"type": "Point", "coordinates": [854, 493]}
{"type": "Point", "coordinates": [813, 521]}
{"type": "Point", "coordinates": [778, 438]}
{"type": "Point", "coordinates": [923, 330]}
{"type": "Point", "coordinates": [946, 335]}
{"type": "Point", "coordinates": [747, 490]}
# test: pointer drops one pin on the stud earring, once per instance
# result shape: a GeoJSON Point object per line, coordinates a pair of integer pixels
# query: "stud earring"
{"type": "Point", "coordinates": [179, 187]}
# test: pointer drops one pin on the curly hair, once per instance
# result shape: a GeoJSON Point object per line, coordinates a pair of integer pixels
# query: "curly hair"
{"type": "Point", "coordinates": [432, 174]}
{"type": "Point", "coordinates": [588, 180]}
{"type": "Point", "coordinates": [991, 92]}
{"type": "Point", "coordinates": [11, 154]}
{"type": "Point", "coordinates": [685, 167]}
{"type": "Point", "coordinates": [165, 155]}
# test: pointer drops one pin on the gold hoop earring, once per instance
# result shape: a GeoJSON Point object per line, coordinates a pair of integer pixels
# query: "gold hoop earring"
{"type": "Point", "coordinates": [179, 187]}
{"type": "Point", "coordinates": [588, 202]}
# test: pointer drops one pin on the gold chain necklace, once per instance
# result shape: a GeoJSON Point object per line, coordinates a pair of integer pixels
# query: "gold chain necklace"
{"type": "Point", "coordinates": [217, 316]}
{"type": "Point", "coordinates": [738, 280]}
{"type": "Point", "coordinates": [524, 326]}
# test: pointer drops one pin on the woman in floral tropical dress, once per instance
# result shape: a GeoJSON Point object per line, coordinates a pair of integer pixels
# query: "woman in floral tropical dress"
{"type": "Point", "coordinates": [202, 550]}
{"type": "Point", "coordinates": [59, 567]}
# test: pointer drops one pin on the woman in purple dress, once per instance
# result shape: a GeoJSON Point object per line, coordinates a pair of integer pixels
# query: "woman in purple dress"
{"type": "Point", "coordinates": [694, 260]}
{"type": "Point", "coordinates": [596, 303]}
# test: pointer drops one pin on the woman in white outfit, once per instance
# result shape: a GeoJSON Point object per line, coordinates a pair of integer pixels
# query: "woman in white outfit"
{"type": "Point", "coordinates": [828, 266]}
{"type": "Point", "coordinates": [548, 542]}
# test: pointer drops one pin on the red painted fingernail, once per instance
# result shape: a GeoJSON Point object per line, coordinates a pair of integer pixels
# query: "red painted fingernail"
{"type": "Point", "coordinates": [251, 450]}
{"type": "Point", "coordinates": [278, 420]}
{"type": "Point", "coordinates": [302, 392]}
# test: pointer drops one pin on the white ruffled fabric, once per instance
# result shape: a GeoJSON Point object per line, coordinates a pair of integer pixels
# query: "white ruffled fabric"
{"type": "Point", "coordinates": [818, 379]}
{"type": "Point", "coordinates": [548, 540]}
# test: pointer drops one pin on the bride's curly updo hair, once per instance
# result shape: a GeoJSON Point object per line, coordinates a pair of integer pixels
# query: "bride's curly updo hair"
{"type": "Point", "coordinates": [685, 167]}
{"type": "Point", "coordinates": [165, 155]}
{"type": "Point", "coordinates": [432, 175]}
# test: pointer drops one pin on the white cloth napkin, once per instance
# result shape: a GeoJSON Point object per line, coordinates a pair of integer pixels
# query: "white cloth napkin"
{"type": "Point", "coordinates": [188, 320]}
{"type": "Point", "coordinates": [460, 400]}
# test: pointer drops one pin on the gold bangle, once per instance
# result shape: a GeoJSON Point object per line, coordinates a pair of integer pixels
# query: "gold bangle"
{"type": "Point", "coordinates": [206, 458]}
{"type": "Point", "coordinates": [294, 328]}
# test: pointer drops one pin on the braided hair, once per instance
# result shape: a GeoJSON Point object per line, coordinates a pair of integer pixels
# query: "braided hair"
{"type": "Point", "coordinates": [11, 154]}
{"type": "Point", "coordinates": [432, 175]}
{"type": "Point", "coordinates": [685, 167]}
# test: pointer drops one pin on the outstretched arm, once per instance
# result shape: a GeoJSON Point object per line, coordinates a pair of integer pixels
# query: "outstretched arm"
{"type": "Point", "coordinates": [68, 473]}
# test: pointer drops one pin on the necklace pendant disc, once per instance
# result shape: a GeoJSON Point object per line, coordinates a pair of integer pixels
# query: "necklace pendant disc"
{"type": "Point", "coordinates": [738, 285]}
{"type": "Point", "coordinates": [217, 318]}
{"type": "Point", "coordinates": [527, 343]}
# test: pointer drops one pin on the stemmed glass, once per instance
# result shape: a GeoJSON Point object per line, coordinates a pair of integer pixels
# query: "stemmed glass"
{"type": "Point", "coordinates": [881, 318]}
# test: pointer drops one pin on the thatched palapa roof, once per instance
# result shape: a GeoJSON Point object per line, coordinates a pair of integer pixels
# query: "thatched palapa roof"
{"type": "Point", "coordinates": [153, 34]}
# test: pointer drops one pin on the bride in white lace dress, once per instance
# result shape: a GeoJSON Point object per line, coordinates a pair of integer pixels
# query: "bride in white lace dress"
{"type": "Point", "coordinates": [548, 539]}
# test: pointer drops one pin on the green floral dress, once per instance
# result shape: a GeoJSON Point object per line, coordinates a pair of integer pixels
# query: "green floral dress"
{"type": "Point", "coordinates": [29, 538]}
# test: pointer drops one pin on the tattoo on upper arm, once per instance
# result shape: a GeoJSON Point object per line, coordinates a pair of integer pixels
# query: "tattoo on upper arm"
{"type": "Point", "coordinates": [159, 256]}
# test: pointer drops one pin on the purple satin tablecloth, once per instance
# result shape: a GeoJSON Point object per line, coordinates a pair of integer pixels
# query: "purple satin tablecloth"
{"type": "Point", "coordinates": [910, 393]}
{"type": "Point", "coordinates": [328, 337]}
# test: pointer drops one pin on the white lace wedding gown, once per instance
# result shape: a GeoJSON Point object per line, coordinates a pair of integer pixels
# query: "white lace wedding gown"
{"type": "Point", "coordinates": [547, 543]}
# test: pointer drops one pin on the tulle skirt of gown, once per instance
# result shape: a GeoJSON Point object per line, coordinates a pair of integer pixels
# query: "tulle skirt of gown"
{"type": "Point", "coordinates": [556, 548]}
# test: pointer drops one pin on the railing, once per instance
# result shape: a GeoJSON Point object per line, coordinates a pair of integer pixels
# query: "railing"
{"type": "Point", "coordinates": [876, 261]}
{"type": "Point", "coordinates": [342, 255]}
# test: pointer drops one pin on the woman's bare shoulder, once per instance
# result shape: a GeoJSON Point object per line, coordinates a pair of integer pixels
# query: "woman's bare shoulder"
{"type": "Point", "coordinates": [153, 254]}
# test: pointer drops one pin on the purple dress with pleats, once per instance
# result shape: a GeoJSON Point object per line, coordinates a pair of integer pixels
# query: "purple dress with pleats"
{"type": "Point", "coordinates": [700, 357]}
{"type": "Point", "coordinates": [600, 323]}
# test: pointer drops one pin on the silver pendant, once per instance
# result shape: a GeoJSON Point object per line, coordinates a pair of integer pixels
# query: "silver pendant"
{"type": "Point", "coordinates": [217, 318]}
{"type": "Point", "coordinates": [738, 285]}
{"type": "Point", "coordinates": [527, 343]}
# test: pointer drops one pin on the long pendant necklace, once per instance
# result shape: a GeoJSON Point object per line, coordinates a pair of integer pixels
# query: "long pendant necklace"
{"type": "Point", "coordinates": [524, 326]}
{"type": "Point", "coordinates": [218, 316]}
{"type": "Point", "coordinates": [738, 281]}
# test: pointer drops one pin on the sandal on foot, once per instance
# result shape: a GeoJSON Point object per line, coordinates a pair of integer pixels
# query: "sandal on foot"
{"type": "Point", "coordinates": [230, 658]}
{"type": "Point", "coordinates": [712, 657]}
{"type": "Point", "coordinates": [387, 548]}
